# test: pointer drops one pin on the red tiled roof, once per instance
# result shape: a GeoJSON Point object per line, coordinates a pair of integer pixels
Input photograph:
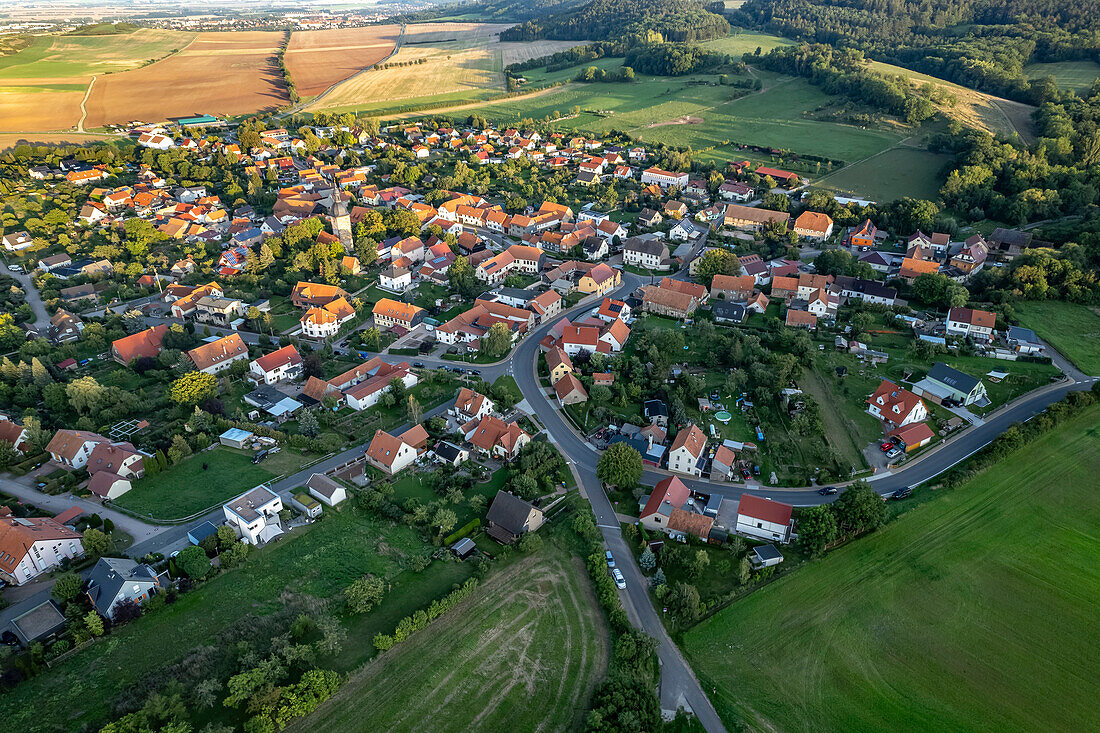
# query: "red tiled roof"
{"type": "Point", "coordinates": [764, 509]}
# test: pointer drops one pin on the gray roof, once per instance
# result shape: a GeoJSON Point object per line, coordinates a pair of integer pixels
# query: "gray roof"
{"type": "Point", "coordinates": [38, 623]}
{"type": "Point", "coordinates": [510, 512]}
{"type": "Point", "coordinates": [953, 378]}
{"type": "Point", "coordinates": [731, 311]}
{"type": "Point", "coordinates": [767, 552]}
{"type": "Point", "coordinates": [323, 485]}
{"type": "Point", "coordinates": [1026, 335]}
{"type": "Point", "coordinates": [244, 506]}
{"type": "Point", "coordinates": [447, 451]}
{"type": "Point", "coordinates": [110, 574]}
{"type": "Point", "coordinates": [646, 246]}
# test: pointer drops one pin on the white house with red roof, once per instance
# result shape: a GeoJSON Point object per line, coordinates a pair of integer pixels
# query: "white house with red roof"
{"type": "Point", "coordinates": [30, 547]}
{"type": "Point", "coordinates": [669, 493]}
{"type": "Point", "coordinates": [896, 406]}
{"type": "Point", "coordinates": [977, 324]}
{"type": "Point", "coordinates": [284, 364]}
{"type": "Point", "coordinates": [764, 519]}
{"type": "Point", "coordinates": [687, 453]}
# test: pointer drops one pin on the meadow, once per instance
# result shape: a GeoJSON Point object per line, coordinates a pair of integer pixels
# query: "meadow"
{"type": "Point", "coordinates": [533, 632]}
{"type": "Point", "coordinates": [1078, 75]}
{"type": "Point", "coordinates": [946, 619]}
{"type": "Point", "coordinates": [897, 172]}
{"type": "Point", "coordinates": [1074, 330]}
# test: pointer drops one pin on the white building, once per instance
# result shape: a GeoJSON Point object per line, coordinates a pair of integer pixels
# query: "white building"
{"type": "Point", "coordinates": [764, 519]}
{"type": "Point", "coordinates": [255, 515]}
{"type": "Point", "coordinates": [664, 178]}
{"type": "Point", "coordinates": [31, 547]}
{"type": "Point", "coordinates": [687, 451]}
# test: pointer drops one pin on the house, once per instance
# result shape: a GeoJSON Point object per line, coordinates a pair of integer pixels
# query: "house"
{"type": "Point", "coordinates": [764, 519]}
{"type": "Point", "coordinates": [471, 405]}
{"type": "Point", "coordinates": [765, 556]}
{"type": "Point", "coordinates": [390, 453]}
{"type": "Point", "coordinates": [972, 323]}
{"type": "Point", "coordinates": [599, 280]}
{"type": "Point", "coordinates": [726, 312]}
{"type": "Point", "coordinates": [54, 262]}
{"type": "Point", "coordinates": [325, 321]}
{"type": "Point", "coordinates": [367, 387]}
{"type": "Point", "coordinates": [217, 311]}
{"type": "Point", "coordinates": [613, 310]}
{"type": "Point", "coordinates": [813, 226]}
{"type": "Point", "coordinates": [218, 355]}
{"type": "Point", "coordinates": [864, 236]}
{"type": "Point", "coordinates": [510, 517]}
{"type": "Point", "coordinates": [647, 253]}
{"type": "Point", "coordinates": [737, 288]}
{"type": "Point", "coordinates": [649, 218]}
{"type": "Point", "coordinates": [945, 383]}
{"type": "Point", "coordinates": [896, 406]}
{"type": "Point", "coordinates": [113, 581]}
{"type": "Point", "coordinates": [77, 293]}
{"type": "Point", "coordinates": [688, 452]}
{"type": "Point", "coordinates": [32, 546]}
{"type": "Point", "coordinates": [735, 191]}
{"type": "Point", "coordinates": [388, 313]}
{"type": "Point", "coordinates": [71, 448]}
{"type": "Point", "coordinates": [912, 436]}
{"type": "Point", "coordinates": [143, 343]}
{"type": "Point", "coordinates": [395, 278]}
{"type": "Point", "coordinates": [668, 302]}
{"type": "Point", "coordinates": [326, 489]}
{"type": "Point", "coordinates": [752, 218]}
{"type": "Point", "coordinates": [779, 176]}
{"type": "Point", "coordinates": [724, 464]}
{"type": "Point", "coordinates": [308, 295]}
{"type": "Point", "coordinates": [656, 412]}
{"type": "Point", "coordinates": [558, 364]}
{"type": "Point", "coordinates": [14, 435]}
{"type": "Point", "coordinates": [663, 178]}
{"type": "Point", "coordinates": [569, 390]}
{"type": "Point", "coordinates": [449, 453]}
{"type": "Point", "coordinates": [255, 515]}
{"type": "Point", "coordinates": [664, 510]}
{"type": "Point", "coordinates": [493, 437]}
{"type": "Point", "coordinates": [912, 268]}
{"type": "Point", "coordinates": [280, 365]}
{"type": "Point", "coordinates": [17, 240]}
{"type": "Point", "coordinates": [869, 291]}
{"type": "Point", "coordinates": [1024, 340]}
{"type": "Point", "coordinates": [684, 230]}
{"type": "Point", "coordinates": [972, 256]}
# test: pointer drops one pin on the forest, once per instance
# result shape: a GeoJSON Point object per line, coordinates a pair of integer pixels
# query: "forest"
{"type": "Point", "coordinates": [651, 20]}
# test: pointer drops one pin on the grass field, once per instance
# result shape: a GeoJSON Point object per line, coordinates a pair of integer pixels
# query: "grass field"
{"type": "Point", "coordinates": [1078, 75]}
{"type": "Point", "coordinates": [741, 42]}
{"type": "Point", "coordinates": [318, 59]}
{"type": "Point", "coordinates": [186, 488]}
{"type": "Point", "coordinates": [242, 63]}
{"type": "Point", "coordinates": [1074, 330]}
{"type": "Point", "coordinates": [523, 654]}
{"type": "Point", "coordinates": [898, 172]}
{"type": "Point", "coordinates": [973, 611]}
{"type": "Point", "coordinates": [317, 562]}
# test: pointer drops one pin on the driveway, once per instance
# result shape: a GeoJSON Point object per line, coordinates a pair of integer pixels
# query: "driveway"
{"type": "Point", "coordinates": [41, 317]}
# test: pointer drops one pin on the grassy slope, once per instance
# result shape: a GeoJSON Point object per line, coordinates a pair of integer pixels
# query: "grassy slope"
{"type": "Point", "coordinates": [1078, 75]}
{"type": "Point", "coordinates": [973, 611]}
{"type": "Point", "coordinates": [1072, 329]}
{"type": "Point", "coordinates": [319, 561]}
{"type": "Point", "coordinates": [533, 632]}
{"type": "Point", "coordinates": [903, 171]}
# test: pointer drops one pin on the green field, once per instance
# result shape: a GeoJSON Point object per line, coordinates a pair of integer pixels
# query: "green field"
{"type": "Point", "coordinates": [1074, 330]}
{"type": "Point", "coordinates": [1078, 75]}
{"type": "Point", "coordinates": [313, 563]}
{"type": "Point", "coordinates": [83, 56]}
{"type": "Point", "coordinates": [901, 171]}
{"type": "Point", "coordinates": [741, 42]}
{"type": "Point", "coordinates": [523, 654]}
{"type": "Point", "coordinates": [186, 488]}
{"type": "Point", "coordinates": [973, 611]}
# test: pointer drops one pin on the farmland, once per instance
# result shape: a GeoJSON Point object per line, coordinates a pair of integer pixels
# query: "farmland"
{"type": "Point", "coordinates": [947, 619]}
{"type": "Point", "coordinates": [897, 172]}
{"type": "Point", "coordinates": [1078, 75]}
{"type": "Point", "coordinates": [1074, 330]}
{"type": "Point", "coordinates": [42, 84]}
{"type": "Point", "coordinates": [318, 59]}
{"type": "Point", "coordinates": [533, 632]}
{"type": "Point", "coordinates": [448, 61]}
{"type": "Point", "coordinates": [242, 63]}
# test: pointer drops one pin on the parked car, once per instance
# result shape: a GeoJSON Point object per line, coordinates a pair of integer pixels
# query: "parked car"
{"type": "Point", "coordinates": [418, 364]}
{"type": "Point", "coordinates": [745, 473]}
{"type": "Point", "coordinates": [15, 268]}
{"type": "Point", "coordinates": [903, 493]}
{"type": "Point", "coordinates": [610, 559]}
{"type": "Point", "coordinates": [893, 452]}
{"type": "Point", "coordinates": [473, 372]}
{"type": "Point", "coordinates": [827, 490]}
{"type": "Point", "coordinates": [886, 446]}
{"type": "Point", "coordinates": [620, 581]}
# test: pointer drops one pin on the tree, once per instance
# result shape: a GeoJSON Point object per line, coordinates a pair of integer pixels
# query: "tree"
{"type": "Point", "coordinates": [364, 594]}
{"type": "Point", "coordinates": [95, 542]}
{"type": "Point", "coordinates": [307, 424]}
{"type": "Point", "coordinates": [67, 587]}
{"type": "Point", "coordinates": [445, 519]}
{"type": "Point", "coordinates": [647, 560]}
{"type": "Point", "coordinates": [717, 262]}
{"type": "Point", "coordinates": [179, 449]}
{"type": "Point", "coordinates": [192, 388]}
{"type": "Point", "coordinates": [414, 410]}
{"type": "Point", "coordinates": [85, 394]}
{"type": "Point", "coordinates": [620, 465]}
{"type": "Point", "coordinates": [683, 601]}
{"type": "Point", "coordinates": [529, 543]}
{"type": "Point", "coordinates": [498, 340]}
{"type": "Point", "coordinates": [659, 578]}
{"type": "Point", "coordinates": [524, 485]}
{"type": "Point", "coordinates": [94, 623]}
{"type": "Point", "coordinates": [372, 339]}
{"type": "Point", "coordinates": [193, 562]}
{"type": "Point", "coordinates": [816, 528]}
{"type": "Point", "coordinates": [859, 509]}
{"type": "Point", "coordinates": [700, 563]}
{"type": "Point", "coordinates": [398, 390]}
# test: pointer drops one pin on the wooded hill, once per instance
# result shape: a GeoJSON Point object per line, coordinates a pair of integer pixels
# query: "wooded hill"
{"type": "Point", "coordinates": [653, 20]}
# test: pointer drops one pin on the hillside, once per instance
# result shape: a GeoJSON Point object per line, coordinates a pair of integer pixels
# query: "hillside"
{"type": "Point", "coordinates": [674, 20]}
{"type": "Point", "coordinates": [974, 611]}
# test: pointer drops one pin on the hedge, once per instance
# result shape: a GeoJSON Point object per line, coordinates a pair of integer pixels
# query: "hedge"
{"type": "Point", "coordinates": [463, 531]}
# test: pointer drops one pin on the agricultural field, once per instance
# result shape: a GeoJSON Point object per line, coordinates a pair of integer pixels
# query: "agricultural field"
{"type": "Point", "coordinates": [741, 42]}
{"type": "Point", "coordinates": [242, 63]}
{"type": "Point", "coordinates": [946, 619]}
{"type": "Point", "coordinates": [1074, 330]}
{"type": "Point", "coordinates": [42, 84]}
{"type": "Point", "coordinates": [318, 59]}
{"type": "Point", "coordinates": [10, 140]}
{"type": "Point", "coordinates": [532, 632]}
{"type": "Point", "coordinates": [1078, 75]}
{"type": "Point", "coordinates": [442, 62]}
{"type": "Point", "coordinates": [896, 172]}
{"type": "Point", "coordinates": [976, 109]}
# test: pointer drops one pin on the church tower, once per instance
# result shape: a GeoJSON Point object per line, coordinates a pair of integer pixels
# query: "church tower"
{"type": "Point", "coordinates": [341, 224]}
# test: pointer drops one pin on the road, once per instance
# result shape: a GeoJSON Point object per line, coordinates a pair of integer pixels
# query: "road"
{"type": "Point", "coordinates": [26, 282]}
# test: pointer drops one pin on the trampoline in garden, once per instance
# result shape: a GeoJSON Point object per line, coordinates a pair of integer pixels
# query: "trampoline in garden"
{"type": "Point", "coordinates": [723, 416]}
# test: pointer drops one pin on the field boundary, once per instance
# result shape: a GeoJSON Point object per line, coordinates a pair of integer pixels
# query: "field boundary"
{"type": "Point", "coordinates": [83, 106]}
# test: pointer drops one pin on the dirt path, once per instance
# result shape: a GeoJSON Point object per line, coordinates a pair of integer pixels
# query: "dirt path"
{"type": "Point", "coordinates": [899, 144]}
{"type": "Point", "coordinates": [83, 107]}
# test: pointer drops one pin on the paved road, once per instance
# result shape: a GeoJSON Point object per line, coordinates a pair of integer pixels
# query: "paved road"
{"type": "Point", "coordinates": [26, 282]}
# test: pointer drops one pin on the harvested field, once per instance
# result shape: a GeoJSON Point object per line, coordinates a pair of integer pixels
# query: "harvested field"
{"type": "Point", "coordinates": [685, 120]}
{"type": "Point", "coordinates": [319, 59]}
{"type": "Point", "coordinates": [524, 653]}
{"type": "Point", "coordinates": [444, 32]}
{"type": "Point", "coordinates": [218, 73]}
{"type": "Point", "coordinates": [61, 138]}
{"type": "Point", "coordinates": [31, 107]}
{"type": "Point", "coordinates": [517, 53]}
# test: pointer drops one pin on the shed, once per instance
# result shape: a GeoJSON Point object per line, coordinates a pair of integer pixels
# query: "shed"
{"type": "Point", "coordinates": [326, 489]}
{"type": "Point", "coordinates": [464, 548]}
{"type": "Point", "coordinates": [200, 533]}
{"type": "Point", "coordinates": [306, 504]}
{"type": "Point", "coordinates": [235, 438]}
{"type": "Point", "coordinates": [764, 556]}
{"type": "Point", "coordinates": [38, 623]}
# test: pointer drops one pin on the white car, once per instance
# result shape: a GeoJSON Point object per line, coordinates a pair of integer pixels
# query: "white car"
{"type": "Point", "coordinates": [620, 581]}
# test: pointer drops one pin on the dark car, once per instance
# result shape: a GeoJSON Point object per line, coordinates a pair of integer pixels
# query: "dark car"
{"type": "Point", "coordinates": [9, 639]}
{"type": "Point", "coordinates": [904, 493]}
{"type": "Point", "coordinates": [756, 469]}
{"type": "Point", "coordinates": [745, 473]}
{"type": "Point", "coordinates": [473, 372]}
{"type": "Point", "coordinates": [827, 490]}
{"type": "Point", "coordinates": [418, 364]}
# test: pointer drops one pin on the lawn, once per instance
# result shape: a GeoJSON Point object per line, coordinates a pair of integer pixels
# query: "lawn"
{"type": "Point", "coordinates": [188, 487]}
{"type": "Point", "coordinates": [532, 633]}
{"type": "Point", "coordinates": [1074, 330]}
{"type": "Point", "coordinates": [973, 611]}
{"type": "Point", "coordinates": [1078, 75]}
{"type": "Point", "coordinates": [902, 171]}
{"type": "Point", "coordinates": [315, 562]}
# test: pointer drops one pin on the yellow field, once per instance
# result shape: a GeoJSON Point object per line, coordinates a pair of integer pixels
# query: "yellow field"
{"type": "Point", "coordinates": [975, 109]}
{"type": "Point", "coordinates": [516, 53]}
